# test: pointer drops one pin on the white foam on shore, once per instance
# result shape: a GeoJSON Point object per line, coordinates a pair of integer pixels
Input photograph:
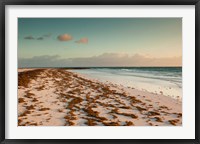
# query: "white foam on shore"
{"type": "Point", "coordinates": [158, 86]}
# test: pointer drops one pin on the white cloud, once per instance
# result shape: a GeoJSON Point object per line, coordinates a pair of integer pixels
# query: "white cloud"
{"type": "Point", "coordinates": [82, 41]}
{"type": "Point", "coordinates": [64, 37]}
{"type": "Point", "coordinates": [104, 60]}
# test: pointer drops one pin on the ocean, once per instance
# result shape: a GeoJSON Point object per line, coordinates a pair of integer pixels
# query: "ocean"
{"type": "Point", "coordinates": [165, 80]}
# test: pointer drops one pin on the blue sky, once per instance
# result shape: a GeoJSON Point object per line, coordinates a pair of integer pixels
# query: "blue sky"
{"type": "Point", "coordinates": [155, 38]}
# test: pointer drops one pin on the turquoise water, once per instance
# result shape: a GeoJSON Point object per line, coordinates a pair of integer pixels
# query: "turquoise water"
{"type": "Point", "coordinates": [171, 74]}
{"type": "Point", "coordinates": [167, 80]}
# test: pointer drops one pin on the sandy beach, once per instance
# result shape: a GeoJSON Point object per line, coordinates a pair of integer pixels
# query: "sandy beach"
{"type": "Point", "coordinates": [59, 97]}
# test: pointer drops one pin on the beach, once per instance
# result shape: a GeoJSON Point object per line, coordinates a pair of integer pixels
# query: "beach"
{"type": "Point", "coordinates": [68, 97]}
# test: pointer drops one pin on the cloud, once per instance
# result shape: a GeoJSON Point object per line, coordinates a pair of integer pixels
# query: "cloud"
{"type": "Point", "coordinates": [82, 41]}
{"type": "Point", "coordinates": [104, 60]}
{"type": "Point", "coordinates": [40, 61]}
{"type": "Point", "coordinates": [29, 38]}
{"type": "Point", "coordinates": [64, 37]}
{"type": "Point", "coordinates": [47, 35]}
{"type": "Point", "coordinates": [40, 38]}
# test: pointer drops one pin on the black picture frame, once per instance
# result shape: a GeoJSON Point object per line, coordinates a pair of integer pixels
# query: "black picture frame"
{"type": "Point", "coordinates": [3, 4]}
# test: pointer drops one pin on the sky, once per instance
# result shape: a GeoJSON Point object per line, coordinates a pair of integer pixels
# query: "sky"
{"type": "Point", "coordinates": [85, 42]}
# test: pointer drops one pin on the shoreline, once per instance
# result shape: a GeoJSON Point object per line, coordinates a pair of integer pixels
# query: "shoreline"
{"type": "Point", "coordinates": [130, 80]}
{"type": "Point", "coordinates": [86, 76]}
{"type": "Point", "coordinates": [59, 97]}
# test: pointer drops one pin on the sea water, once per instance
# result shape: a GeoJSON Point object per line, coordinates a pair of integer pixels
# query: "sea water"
{"type": "Point", "coordinates": [158, 80]}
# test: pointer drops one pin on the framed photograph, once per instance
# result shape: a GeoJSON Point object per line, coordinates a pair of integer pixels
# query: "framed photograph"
{"type": "Point", "coordinates": [99, 72]}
